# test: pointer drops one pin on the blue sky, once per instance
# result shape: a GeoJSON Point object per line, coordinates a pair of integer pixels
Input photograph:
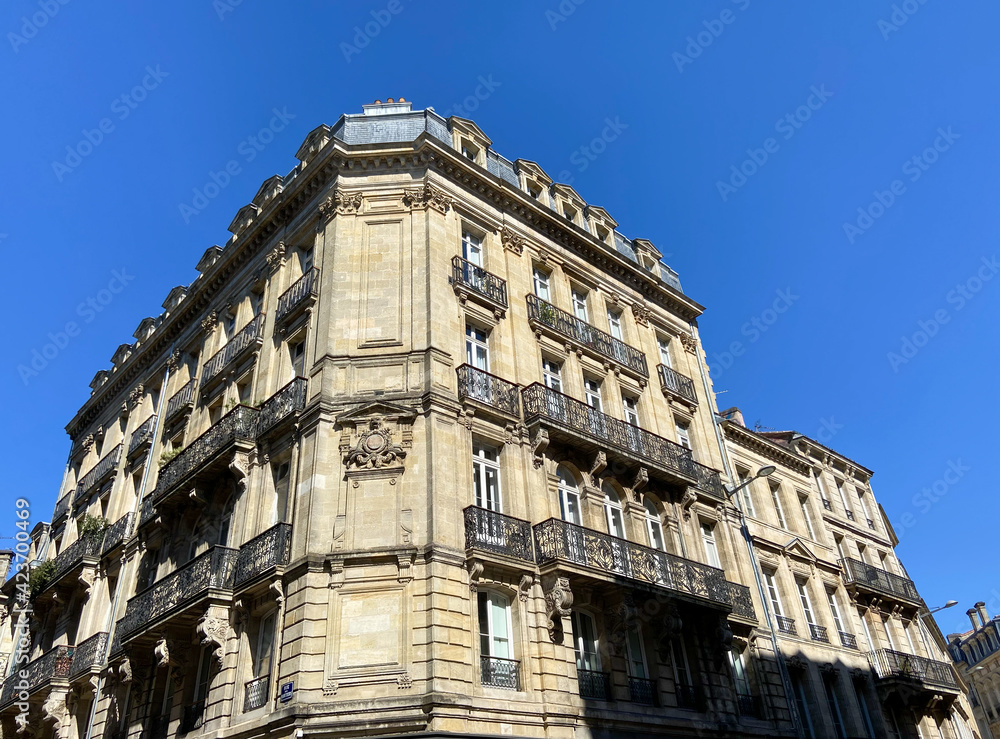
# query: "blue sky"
{"type": "Point", "coordinates": [697, 92]}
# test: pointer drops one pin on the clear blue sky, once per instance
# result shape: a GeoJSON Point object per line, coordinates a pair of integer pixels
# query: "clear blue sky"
{"type": "Point", "coordinates": [880, 93]}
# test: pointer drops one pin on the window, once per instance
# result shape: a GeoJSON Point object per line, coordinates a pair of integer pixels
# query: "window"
{"type": "Point", "coordinates": [679, 663]}
{"type": "Point", "coordinates": [592, 391]}
{"type": "Point", "coordinates": [569, 497]}
{"type": "Point", "coordinates": [746, 495]}
{"type": "Point", "coordinates": [863, 505]}
{"type": "Point", "coordinates": [683, 434]}
{"type": "Point", "coordinates": [570, 213]}
{"type": "Point", "coordinates": [843, 497]}
{"type": "Point", "coordinates": [281, 478]}
{"type": "Point", "coordinates": [841, 551]}
{"type": "Point", "coordinates": [829, 683]}
{"type": "Point", "coordinates": [486, 477]}
{"type": "Point", "coordinates": [494, 625]}
{"type": "Point", "coordinates": [613, 512]}
{"type": "Point", "coordinates": [888, 633]}
{"type": "Point", "coordinates": [772, 592]}
{"type": "Point", "coordinates": [256, 302]}
{"type": "Point", "coordinates": [472, 248]}
{"type": "Point", "coordinates": [215, 411]}
{"type": "Point", "coordinates": [866, 717]}
{"type": "Point", "coordinates": [306, 259]}
{"type": "Point", "coordinates": [711, 550]}
{"type": "Point", "coordinates": [806, 603]}
{"type": "Point", "coordinates": [225, 522]}
{"type": "Point", "coordinates": [297, 354]}
{"type": "Point", "coordinates": [469, 151]}
{"type": "Point", "coordinates": [229, 322]}
{"type": "Point", "coordinates": [663, 345]}
{"type": "Point", "coordinates": [740, 677]}
{"type": "Point", "coordinates": [820, 485]}
{"type": "Point", "coordinates": [541, 280]}
{"type": "Point", "coordinates": [779, 512]}
{"type": "Point", "coordinates": [631, 408]}
{"type": "Point", "coordinates": [476, 351]}
{"type": "Point", "coordinates": [868, 633]}
{"type": "Point", "coordinates": [831, 597]}
{"type": "Point", "coordinates": [804, 504]}
{"type": "Point", "coordinates": [244, 389]}
{"type": "Point", "coordinates": [585, 642]}
{"type": "Point", "coordinates": [615, 325]}
{"type": "Point", "coordinates": [802, 704]}
{"type": "Point", "coordinates": [204, 679]}
{"type": "Point", "coordinates": [552, 375]}
{"type": "Point", "coordinates": [580, 305]}
{"type": "Point", "coordinates": [635, 654]}
{"type": "Point", "coordinates": [265, 645]}
{"type": "Point", "coordinates": [653, 526]}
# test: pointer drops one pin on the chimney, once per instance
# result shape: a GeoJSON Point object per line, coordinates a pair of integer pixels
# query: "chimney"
{"type": "Point", "coordinates": [981, 608]}
{"type": "Point", "coordinates": [6, 557]}
{"type": "Point", "coordinates": [735, 415]}
{"type": "Point", "coordinates": [973, 618]}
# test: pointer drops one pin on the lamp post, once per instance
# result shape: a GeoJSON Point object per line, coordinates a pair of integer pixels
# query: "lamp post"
{"type": "Point", "coordinates": [949, 604]}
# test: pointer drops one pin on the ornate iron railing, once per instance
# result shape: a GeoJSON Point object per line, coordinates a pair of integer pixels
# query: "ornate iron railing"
{"type": "Point", "coordinates": [673, 381]}
{"type": "Point", "coordinates": [495, 532]}
{"type": "Point", "coordinates": [688, 697]}
{"type": "Point", "coordinates": [564, 411]}
{"type": "Point", "coordinates": [887, 664]}
{"type": "Point", "coordinates": [286, 402]}
{"type": "Point", "coordinates": [267, 550]}
{"type": "Point", "coordinates": [303, 289]}
{"type": "Point", "coordinates": [848, 640]}
{"type": "Point", "coordinates": [556, 539]}
{"type": "Point", "coordinates": [479, 280]}
{"type": "Point", "coordinates": [476, 384]}
{"type": "Point", "coordinates": [158, 727]}
{"type": "Point", "coordinates": [62, 507]}
{"type": "Point", "coordinates": [865, 575]}
{"type": "Point", "coordinates": [146, 509]}
{"type": "Point", "coordinates": [67, 559]}
{"type": "Point", "coordinates": [53, 665]}
{"type": "Point", "coordinates": [246, 337]}
{"type": "Point", "coordinates": [786, 625]}
{"type": "Point", "coordinates": [98, 473]}
{"type": "Point", "coordinates": [500, 673]}
{"type": "Point", "coordinates": [641, 690]}
{"type": "Point", "coordinates": [595, 686]}
{"type": "Point", "coordinates": [142, 435]}
{"type": "Point", "coordinates": [749, 705]}
{"type": "Point", "coordinates": [89, 653]}
{"type": "Point", "coordinates": [255, 693]}
{"type": "Point", "coordinates": [583, 333]}
{"type": "Point", "coordinates": [211, 570]}
{"type": "Point", "coordinates": [739, 596]}
{"type": "Point", "coordinates": [818, 633]}
{"type": "Point", "coordinates": [116, 533]}
{"type": "Point", "coordinates": [239, 423]}
{"type": "Point", "coordinates": [182, 399]}
{"type": "Point", "coordinates": [709, 480]}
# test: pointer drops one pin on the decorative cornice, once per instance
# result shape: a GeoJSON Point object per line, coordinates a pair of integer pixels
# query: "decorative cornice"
{"type": "Point", "coordinates": [769, 449]}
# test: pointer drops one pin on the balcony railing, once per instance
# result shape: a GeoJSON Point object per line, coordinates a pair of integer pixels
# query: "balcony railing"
{"type": "Point", "coordinates": [288, 401]}
{"type": "Point", "coordinates": [495, 532]}
{"type": "Point", "coordinates": [818, 633]}
{"type": "Point", "coordinates": [739, 596]}
{"type": "Point", "coordinates": [181, 400]}
{"type": "Point", "coordinates": [579, 418]}
{"type": "Point", "coordinates": [861, 574]}
{"type": "Point", "coordinates": [53, 665]}
{"type": "Point", "coordinates": [248, 336]}
{"type": "Point", "coordinates": [303, 290]}
{"type": "Point", "coordinates": [674, 382]}
{"type": "Point", "coordinates": [89, 654]}
{"type": "Point", "coordinates": [212, 570]}
{"type": "Point", "coordinates": [193, 716]}
{"type": "Point", "coordinates": [158, 727]}
{"type": "Point", "coordinates": [688, 697]}
{"type": "Point", "coordinates": [500, 673]}
{"type": "Point", "coordinates": [749, 706]}
{"type": "Point", "coordinates": [146, 510]}
{"type": "Point", "coordinates": [255, 693]}
{"type": "Point", "coordinates": [262, 553]}
{"type": "Point", "coordinates": [582, 333]}
{"type": "Point", "coordinates": [888, 664]}
{"type": "Point", "coordinates": [708, 480]}
{"type": "Point", "coordinates": [74, 554]}
{"type": "Point", "coordinates": [786, 625]}
{"type": "Point", "coordinates": [142, 435]}
{"type": "Point", "coordinates": [476, 384]}
{"type": "Point", "coordinates": [477, 279]}
{"type": "Point", "coordinates": [239, 424]}
{"type": "Point", "coordinates": [98, 473]}
{"type": "Point", "coordinates": [848, 640]}
{"type": "Point", "coordinates": [116, 533]}
{"type": "Point", "coordinates": [62, 507]}
{"type": "Point", "coordinates": [594, 686]}
{"type": "Point", "coordinates": [643, 691]}
{"type": "Point", "coordinates": [556, 539]}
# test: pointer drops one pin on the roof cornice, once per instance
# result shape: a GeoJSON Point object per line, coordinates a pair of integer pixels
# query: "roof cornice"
{"type": "Point", "coordinates": [765, 447]}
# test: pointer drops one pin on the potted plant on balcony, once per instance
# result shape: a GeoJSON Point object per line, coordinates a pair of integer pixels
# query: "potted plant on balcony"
{"type": "Point", "coordinates": [41, 576]}
{"type": "Point", "coordinates": [92, 527]}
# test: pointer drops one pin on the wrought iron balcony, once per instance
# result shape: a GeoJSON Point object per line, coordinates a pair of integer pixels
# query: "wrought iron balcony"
{"type": "Point", "coordinates": [73, 555]}
{"type": "Point", "coordinates": [689, 697]}
{"type": "Point", "coordinates": [158, 727]}
{"type": "Point", "coordinates": [500, 673]}
{"type": "Point", "coordinates": [848, 640]}
{"type": "Point", "coordinates": [263, 553]}
{"type": "Point", "coordinates": [89, 654]}
{"type": "Point", "coordinates": [582, 423]}
{"type": "Point", "coordinates": [818, 633]}
{"type": "Point", "coordinates": [864, 576]}
{"type": "Point", "coordinates": [466, 274]}
{"type": "Point", "coordinates": [786, 625]}
{"type": "Point", "coordinates": [247, 338]}
{"type": "Point", "coordinates": [739, 596]}
{"type": "Point", "coordinates": [303, 292]}
{"type": "Point", "coordinates": [54, 665]}
{"type": "Point", "coordinates": [579, 332]}
{"type": "Point", "coordinates": [594, 686]}
{"type": "Point", "coordinates": [678, 385]}
{"type": "Point", "coordinates": [749, 706]}
{"type": "Point", "coordinates": [98, 473]}
{"type": "Point", "coordinates": [240, 424]}
{"type": "Point", "coordinates": [182, 400]}
{"type": "Point", "coordinates": [709, 480]}
{"type": "Point", "coordinates": [212, 570]}
{"type": "Point", "coordinates": [116, 533]}
{"type": "Point", "coordinates": [891, 665]}
{"type": "Point", "coordinates": [192, 718]}
{"type": "Point", "coordinates": [489, 390]}
{"type": "Point", "coordinates": [611, 556]}
{"type": "Point", "coordinates": [494, 532]}
{"type": "Point", "coordinates": [255, 693]}
{"type": "Point", "coordinates": [147, 511]}
{"type": "Point", "coordinates": [641, 690]}
{"type": "Point", "coordinates": [287, 402]}
{"type": "Point", "coordinates": [142, 436]}
{"type": "Point", "coordinates": [62, 507]}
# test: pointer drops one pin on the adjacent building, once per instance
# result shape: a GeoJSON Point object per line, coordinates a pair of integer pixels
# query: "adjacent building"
{"type": "Point", "coordinates": [976, 653]}
{"type": "Point", "coordinates": [430, 447]}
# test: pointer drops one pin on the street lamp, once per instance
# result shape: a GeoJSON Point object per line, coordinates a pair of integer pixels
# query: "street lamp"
{"type": "Point", "coordinates": [765, 471]}
{"type": "Point", "coordinates": [949, 604]}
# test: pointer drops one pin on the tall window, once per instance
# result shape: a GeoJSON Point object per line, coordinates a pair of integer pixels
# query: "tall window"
{"type": "Point", "coordinates": [494, 625]}
{"type": "Point", "coordinates": [486, 477]}
{"type": "Point", "coordinates": [831, 597]}
{"type": "Point", "coordinates": [772, 592]}
{"type": "Point", "coordinates": [472, 248]}
{"type": "Point", "coordinates": [281, 475]}
{"type": "Point", "coordinates": [663, 345]}
{"type": "Point", "coordinates": [204, 679]}
{"type": "Point", "coordinates": [256, 302]}
{"type": "Point", "coordinates": [592, 391]}
{"type": "Point", "coordinates": [615, 325]}
{"type": "Point", "coordinates": [297, 354]}
{"type": "Point", "coordinates": [225, 523]}
{"type": "Point", "coordinates": [636, 655]}
{"type": "Point", "coordinates": [631, 408]}
{"type": "Point", "coordinates": [265, 646]}
{"type": "Point", "coordinates": [746, 496]}
{"type": "Point", "coordinates": [829, 683]}
{"type": "Point", "coordinates": [580, 305]}
{"type": "Point", "coordinates": [541, 281]}
{"type": "Point", "coordinates": [306, 259]}
{"type": "Point", "coordinates": [711, 549]}
{"type": "Point", "coordinates": [818, 474]}
{"type": "Point", "coordinates": [779, 512]}
{"type": "Point", "coordinates": [680, 666]}
{"type": "Point", "coordinates": [585, 642]}
{"type": "Point", "coordinates": [868, 633]}
{"type": "Point", "coordinates": [569, 497]}
{"type": "Point", "coordinates": [866, 717]}
{"type": "Point", "coordinates": [683, 434]}
{"type": "Point", "coordinates": [740, 676]}
{"type": "Point", "coordinates": [843, 496]}
{"type": "Point", "coordinates": [476, 350]}
{"type": "Point", "coordinates": [802, 703]}
{"type": "Point", "coordinates": [653, 526]}
{"type": "Point", "coordinates": [806, 603]}
{"type": "Point", "coordinates": [804, 505]}
{"type": "Point", "coordinates": [552, 375]}
{"type": "Point", "coordinates": [863, 505]}
{"type": "Point", "coordinates": [613, 512]}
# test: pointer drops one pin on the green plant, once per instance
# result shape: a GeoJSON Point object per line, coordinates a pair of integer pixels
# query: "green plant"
{"type": "Point", "coordinates": [169, 454]}
{"type": "Point", "coordinates": [41, 576]}
{"type": "Point", "coordinates": [92, 527]}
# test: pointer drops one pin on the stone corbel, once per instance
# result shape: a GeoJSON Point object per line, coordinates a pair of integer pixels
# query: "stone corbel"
{"type": "Point", "coordinates": [689, 499]}
{"type": "Point", "coordinates": [213, 628]}
{"type": "Point", "coordinates": [56, 712]}
{"type": "Point", "coordinates": [162, 652]}
{"type": "Point", "coordinates": [278, 589]}
{"type": "Point", "coordinates": [331, 686]}
{"type": "Point", "coordinates": [524, 587]}
{"type": "Point", "coordinates": [598, 466]}
{"type": "Point", "coordinates": [539, 443]}
{"type": "Point", "coordinates": [511, 241]}
{"type": "Point", "coordinates": [240, 466]}
{"type": "Point", "coordinates": [689, 343]}
{"type": "Point", "coordinates": [639, 481]}
{"type": "Point", "coordinates": [558, 604]}
{"type": "Point", "coordinates": [621, 620]}
{"type": "Point", "coordinates": [336, 565]}
{"type": "Point", "coordinates": [86, 579]}
{"type": "Point", "coordinates": [475, 568]}
{"type": "Point", "coordinates": [404, 562]}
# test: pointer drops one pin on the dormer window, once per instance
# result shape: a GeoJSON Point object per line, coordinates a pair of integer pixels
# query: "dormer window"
{"type": "Point", "coordinates": [470, 151]}
{"type": "Point", "coordinates": [570, 214]}
{"type": "Point", "coordinates": [602, 233]}
{"type": "Point", "coordinates": [534, 191]}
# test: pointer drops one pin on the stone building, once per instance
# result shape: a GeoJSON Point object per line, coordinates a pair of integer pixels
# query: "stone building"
{"type": "Point", "coordinates": [976, 653]}
{"type": "Point", "coordinates": [431, 447]}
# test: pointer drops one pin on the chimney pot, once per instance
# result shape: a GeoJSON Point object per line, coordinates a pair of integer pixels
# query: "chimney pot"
{"type": "Point", "coordinates": [981, 609]}
{"type": "Point", "coordinates": [402, 100]}
{"type": "Point", "coordinates": [389, 100]}
{"type": "Point", "coordinates": [378, 102]}
{"type": "Point", "coordinates": [973, 618]}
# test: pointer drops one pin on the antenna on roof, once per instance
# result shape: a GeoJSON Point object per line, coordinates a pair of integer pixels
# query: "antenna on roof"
{"type": "Point", "coordinates": [758, 427]}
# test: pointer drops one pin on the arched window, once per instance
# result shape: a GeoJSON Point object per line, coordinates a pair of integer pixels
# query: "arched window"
{"type": "Point", "coordinates": [653, 527]}
{"type": "Point", "coordinates": [613, 511]}
{"type": "Point", "coordinates": [569, 496]}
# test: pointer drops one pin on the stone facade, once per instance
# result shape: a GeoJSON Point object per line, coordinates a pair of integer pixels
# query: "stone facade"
{"type": "Point", "coordinates": [430, 447]}
{"type": "Point", "coordinates": [977, 656]}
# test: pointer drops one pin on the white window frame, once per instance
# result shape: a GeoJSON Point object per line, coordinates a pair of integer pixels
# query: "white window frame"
{"type": "Point", "coordinates": [807, 517]}
{"type": "Point", "coordinates": [614, 514]}
{"type": "Point", "coordinates": [635, 653]}
{"type": "Point", "coordinates": [779, 511]}
{"type": "Point", "coordinates": [552, 374]}
{"type": "Point", "coordinates": [710, 545]}
{"type": "Point", "coordinates": [773, 594]}
{"type": "Point", "coordinates": [472, 248]}
{"type": "Point", "coordinates": [615, 326]}
{"type": "Point", "coordinates": [746, 492]}
{"type": "Point", "coordinates": [263, 633]}
{"type": "Point", "coordinates": [592, 392]}
{"type": "Point", "coordinates": [475, 344]}
{"type": "Point", "coordinates": [654, 528]}
{"type": "Point", "coordinates": [540, 283]}
{"type": "Point", "coordinates": [802, 586]}
{"type": "Point", "coordinates": [586, 659]}
{"type": "Point", "coordinates": [630, 406]}
{"type": "Point", "coordinates": [490, 639]}
{"type": "Point", "coordinates": [663, 346]}
{"type": "Point", "coordinates": [579, 300]}
{"type": "Point", "coordinates": [569, 499]}
{"type": "Point", "coordinates": [486, 464]}
{"type": "Point", "coordinates": [683, 434]}
{"type": "Point", "coordinates": [838, 622]}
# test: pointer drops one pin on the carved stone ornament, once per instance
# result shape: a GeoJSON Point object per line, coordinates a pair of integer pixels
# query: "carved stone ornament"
{"type": "Point", "coordinates": [135, 396]}
{"type": "Point", "coordinates": [797, 663]}
{"type": "Point", "coordinates": [162, 652]}
{"type": "Point", "coordinates": [375, 448]}
{"type": "Point", "coordinates": [558, 604]}
{"type": "Point", "coordinates": [539, 443]}
{"type": "Point", "coordinates": [214, 631]}
{"type": "Point", "coordinates": [689, 343]}
{"type": "Point", "coordinates": [641, 313]}
{"type": "Point", "coordinates": [524, 587]}
{"type": "Point", "coordinates": [511, 241]}
{"type": "Point", "coordinates": [429, 196]}
{"type": "Point", "coordinates": [475, 568]}
{"type": "Point", "coordinates": [331, 686]}
{"type": "Point", "coordinates": [621, 620]}
{"type": "Point", "coordinates": [174, 360]}
{"type": "Point", "coordinates": [689, 499]}
{"type": "Point", "coordinates": [88, 442]}
{"type": "Point", "coordinates": [276, 257]}
{"type": "Point", "coordinates": [56, 712]}
{"type": "Point", "coordinates": [240, 465]}
{"type": "Point", "coordinates": [209, 321]}
{"type": "Point", "coordinates": [404, 681]}
{"type": "Point", "coordinates": [125, 671]}
{"type": "Point", "coordinates": [341, 203]}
